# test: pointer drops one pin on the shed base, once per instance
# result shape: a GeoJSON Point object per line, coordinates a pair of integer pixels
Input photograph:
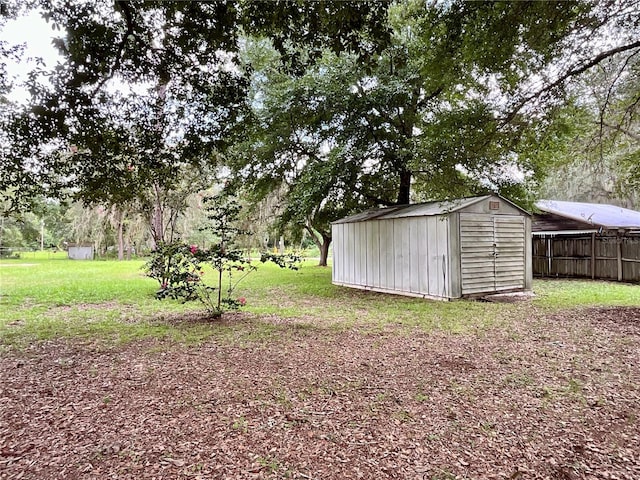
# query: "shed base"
{"type": "Point", "coordinates": [394, 292]}
{"type": "Point", "coordinates": [510, 297]}
{"type": "Point", "coordinates": [509, 291]}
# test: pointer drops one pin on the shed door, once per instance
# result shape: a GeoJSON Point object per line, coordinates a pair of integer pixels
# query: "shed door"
{"type": "Point", "coordinates": [492, 249]}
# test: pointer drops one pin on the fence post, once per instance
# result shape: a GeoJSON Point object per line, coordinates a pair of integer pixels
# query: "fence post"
{"type": "Point", "coordinates": [549, 254]}
{"type": "Point", "coordinates": [619, 245]}
{"type": "Point", "coordinates": [593, 256]}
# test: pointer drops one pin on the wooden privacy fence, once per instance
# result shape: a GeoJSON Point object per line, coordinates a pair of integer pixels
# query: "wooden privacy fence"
{"type": "Point", "coordinates": [611, 257]}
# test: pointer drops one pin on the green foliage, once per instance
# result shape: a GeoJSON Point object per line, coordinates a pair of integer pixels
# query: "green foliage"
{"type": "Point", "coordinates": [446, 109]}
{"type": "Point", "coordinates": [344, 105]}
{"type": "Point", "coordinates": [179, 268]}
{"type": "Point", "coordinates": [176, 268]}
{"type": "Point", "coordinates": [24, 230]}
{"type": "Point", "coordinates": [179, 89]}
{"type": "Point", "coordinates": [423, 119]}
{"type": "Point", "coordinates": [44, 296]}
{"type": "Point", "coordinates": [6, 252]}
{"type": "Point", "coordinates": [301, 31]}
{"type": "Point", "coordinates": [285, 260]}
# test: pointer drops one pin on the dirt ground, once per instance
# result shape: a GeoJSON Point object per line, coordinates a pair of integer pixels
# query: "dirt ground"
{"type": "Point", "coordinates": [554, 396]}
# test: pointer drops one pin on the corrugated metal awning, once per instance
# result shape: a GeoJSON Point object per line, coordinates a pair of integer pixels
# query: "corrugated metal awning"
{"type": "Point", "coordinates": [602, 215]}
{"type": "Point", "coordinates": [563, 232]}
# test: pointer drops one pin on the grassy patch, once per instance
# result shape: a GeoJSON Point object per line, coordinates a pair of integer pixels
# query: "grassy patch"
{"type": "Point", "coordinates": [569, 293]}
{"type": "Point", "coordinates": [308, 293]}
{"type": "Point", "coordinates": [66, 282]}
{"type": "Point", "coordinates": [46, 296]}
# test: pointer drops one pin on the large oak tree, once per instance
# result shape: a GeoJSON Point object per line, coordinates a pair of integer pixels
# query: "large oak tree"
{"type": "Point", "coordinates": [458, 102]}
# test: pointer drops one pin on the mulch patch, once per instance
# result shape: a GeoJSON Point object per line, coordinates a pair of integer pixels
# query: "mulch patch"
{"type": "Point", "coordinates": [547, 397]}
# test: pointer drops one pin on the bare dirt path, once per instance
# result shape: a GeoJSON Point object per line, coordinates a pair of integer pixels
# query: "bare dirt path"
{"type": "Point", "coordinates": [553, 397]}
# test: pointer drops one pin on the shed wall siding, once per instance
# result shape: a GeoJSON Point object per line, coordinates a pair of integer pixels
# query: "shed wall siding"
{"type": "Point", "coordinates": [373, 254]}
{"type": "Point", "coordinates": [360, 270]}
{"type": "Point", "coordinates": [386, 255]}
{"type": "Point", "coordinates": [454, 256]}
{"type": "Point", "coordinates": [337, 255]}
{"type": "Point", "coordinates": [483, 208]}
{"type": "Point", "coordinates": [442, 256]}
{"type": "Point", "coordinates": [399, 250]}
{"type": "Point", "coordinates": [422, 262]}
{"type": "Point", "coordinates": [432, 256]}
{"type": "Point", "coordinates": [414, 248]}
{"type": "Point", "coordinates": [528, 256]}
{"type": "Point", "coordinates": [477, 253]}
{"type": "Point", "coordinates": [348, 253]}
{"type": "Point", "coordinates": [406, 255]}
{"type": "Point", "coordinates": [80, 253]}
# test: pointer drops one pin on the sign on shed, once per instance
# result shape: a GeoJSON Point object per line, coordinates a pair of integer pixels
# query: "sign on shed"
{"type": "Point", "coordinates": [441, 250]}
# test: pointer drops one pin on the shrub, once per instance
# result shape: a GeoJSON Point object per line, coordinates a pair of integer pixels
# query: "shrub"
{"type": "Point", "coordinates": [179, 267]}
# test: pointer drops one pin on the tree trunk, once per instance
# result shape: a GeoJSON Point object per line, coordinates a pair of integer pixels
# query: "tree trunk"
{"type": "Point", "coordinates": [322, 240]}
{"type": "Point", "coordinates": [157, 217]}
{"type": "Point", "coordinates": [324, 251]}
{"type": "Point", "coordinates": [404, 190]}
{"type": "Point", "coordinates": [120, 235]}
{"type": "Point", "coordinates": [117, 221]}
{"type": "Point", "coordinates": [128, 243]}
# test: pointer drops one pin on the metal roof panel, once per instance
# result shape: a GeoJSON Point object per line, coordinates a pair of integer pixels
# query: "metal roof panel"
{"type": "Point", "coordinates": [368, 215]}
{"type": "Point", "coordinates": [426, 209]}
{"type": "Point", "coordinates": [432, 208]}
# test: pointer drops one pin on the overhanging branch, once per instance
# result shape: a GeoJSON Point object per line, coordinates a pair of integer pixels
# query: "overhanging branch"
{"type": "Point", "coordinates": [124, 7]}
{"type": "Point", "coordinates": [568, 74]}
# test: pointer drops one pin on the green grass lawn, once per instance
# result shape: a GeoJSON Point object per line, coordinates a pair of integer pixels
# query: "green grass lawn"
{"type": "Point", "coordinates": [45, 295]}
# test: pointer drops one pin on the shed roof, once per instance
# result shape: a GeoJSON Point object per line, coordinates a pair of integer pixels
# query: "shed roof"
{"type": "Point", "coordinates": [599, 215]}
{"type": "Point", "coordinates": [426, 209]}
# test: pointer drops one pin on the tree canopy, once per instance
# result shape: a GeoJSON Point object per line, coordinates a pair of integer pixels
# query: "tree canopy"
{"type": "Point", "coordinates": [340, 105]}
{"type": "Point", "coordinates": [153, 85]}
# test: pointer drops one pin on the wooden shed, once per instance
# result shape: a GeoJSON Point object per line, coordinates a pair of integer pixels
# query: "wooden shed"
{"type": "Point", "coordinates": [440, 250]}
{"type": "Point", "coordinates": [588, 240]}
